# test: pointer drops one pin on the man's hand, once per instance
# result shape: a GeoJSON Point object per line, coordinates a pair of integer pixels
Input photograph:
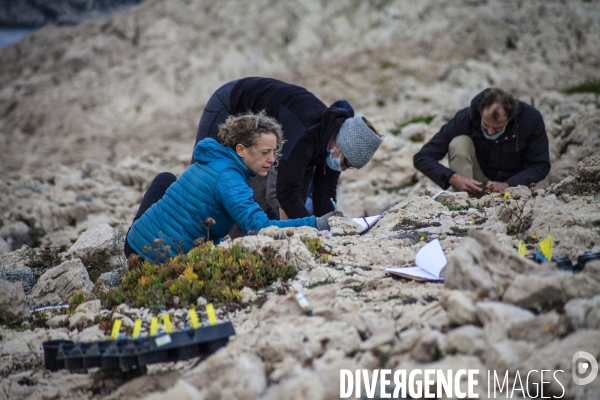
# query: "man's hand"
{"type": "Point", "coordinates": [465, 184]}
{"type": "Point", "coordinates": [496, 187]}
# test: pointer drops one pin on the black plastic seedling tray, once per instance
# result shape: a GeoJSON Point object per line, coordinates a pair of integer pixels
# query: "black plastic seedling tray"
{"type": "Point", "coordinates": [51, 347]}
{"type": "Point", "coordinates": [184, 345]}
{"type": "Point", "coordinates": [129, 353]}
{"type": "Point", "coordinates": [566, 264]}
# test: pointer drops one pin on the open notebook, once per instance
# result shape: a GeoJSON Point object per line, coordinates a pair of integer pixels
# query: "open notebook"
{"type": "Point", "coordinates": [366, 222]}
{"type": "Point", "coordinates": [430, 260]}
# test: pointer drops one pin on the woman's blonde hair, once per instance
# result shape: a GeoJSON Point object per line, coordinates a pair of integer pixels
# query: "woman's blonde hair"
{"type": "Point", "coordinates": [245, 129]}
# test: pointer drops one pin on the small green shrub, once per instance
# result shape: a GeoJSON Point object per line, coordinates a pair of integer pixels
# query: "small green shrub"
{"type": "Point", "coordinates": [321, 283]}
{"type": "Point", "coordinates": [397, 129]}
{"type": "Point", "coordinates": [518, 213]}
{"type": "Point", "coordinates": [41, 259]}
{"type": "Point", "coordinates": [459, 231]}
{"type": "Point", "coordinates": [215, 273]}
{"type": "Point", "coordinates": [316, 248]}
{"type": "Point", "coordinates": [408, 223]}
{"type": "Point", "coordinates": [398, 188]}
{"type": "Point", "coordinates": [314, 245]}
{"type": "Point", "coordinates": [76, 299]}
{"type": "Point", "coordinates": [37, 319]}
{"type": "Point", "coordinates": [583, 187]}
{"type": "Point", "coordinates": [454, 207]}
{"type": "Point", "coordinates": [96, 263]}
{"type": "Point", "coordinates": [585, 87]}
{"type": "Point", "coordinates": [388, 65]}
{"type": "Point", "coordinates": [358, 287]}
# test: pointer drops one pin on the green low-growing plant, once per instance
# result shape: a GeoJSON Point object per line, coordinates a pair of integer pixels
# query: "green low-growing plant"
{"type": "Point", "coordinates": [397, 129]}
{"type": "Point", "coordinates": [215, 273]}
{"type": "Point", "coordinates": [397, 188]}
{"type": "Point", "coordinates": [96, 263]}
{"type": "Point", "coordinates": [518, 214]}
{"type": "Point", "coordinates": [76, 299]}
{"type": "Point", "coordinates": [43, 259]}
{"type": "Point", "coordinates": [585, 87]}
{"type": "Point", "coordinates": [582, 187]}
{"type": "Point", "coordinates": [316, 248]}
{"type": "Point", "coordinates": [454, 207]}
{"type": "Point", "coordinates": [321, 283]}
{"type": "Point", "coordinates": [37, 319]}
{"type": "Point", "coordinates": [459, 231]}
{"type": "Point", "coordinates": [314, 245]}
{"type": "Point", "coordinates": [408, 223]}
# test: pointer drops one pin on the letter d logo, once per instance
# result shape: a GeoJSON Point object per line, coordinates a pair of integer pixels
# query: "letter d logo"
{"type": "Point", "coordinates": [580, 367]}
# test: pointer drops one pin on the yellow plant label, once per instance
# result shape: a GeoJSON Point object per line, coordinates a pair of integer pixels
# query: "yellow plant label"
{"type": "Point", "coordinates": [194, 318]}
{"type": "Point", "coordinates": [137, 328]}
{"type": "Point", "coordinates": [546, 247]}
{"type": "Point", "coordinates": [167, 322]}
{"type": "Point", "coordinates": [521, 249]}
{"type": "Point", "coordinates": [154, 326]}
{"type": "Point", "coordinates": [115, 329]}
{"type": "Point", "coordinates": [210, 311]}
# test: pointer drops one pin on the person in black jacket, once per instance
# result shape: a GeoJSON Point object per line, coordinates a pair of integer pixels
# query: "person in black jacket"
{"type": "Point", "coordinates": [320, 142]}
{"type": "Point", "coordinates": [495, 143]}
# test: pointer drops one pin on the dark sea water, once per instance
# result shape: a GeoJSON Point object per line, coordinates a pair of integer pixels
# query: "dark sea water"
{"type": "Point", "coordinates": [10, 35]}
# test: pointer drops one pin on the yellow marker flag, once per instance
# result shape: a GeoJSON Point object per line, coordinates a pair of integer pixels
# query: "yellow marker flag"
{"type": "Point", "coordinates": [153, 326]}
{"type": "Point", "coordinates": [115, 330]}
{"type": "Point", "coordinates": [210, 311]}
{"type": "Point", "coordinates": [546, 247]}
{"type": "Point", "coordinates": [521, 249]}
{"type": "Point", "coordinates": [167, 322]}
{"type": "Point", "coordinates": [194, 318]}
{"type": "Point", "coordinates": [137, 327]}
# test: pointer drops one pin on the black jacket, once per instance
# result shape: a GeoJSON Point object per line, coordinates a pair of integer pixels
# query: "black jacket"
{"type": "Point", "coordinates": [519, 157]}
{"type": "Point", "coordinates": [308, 127]}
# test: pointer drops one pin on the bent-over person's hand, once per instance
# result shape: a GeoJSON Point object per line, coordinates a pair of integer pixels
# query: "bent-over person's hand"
{"type": "Point", "coordinates": [323, 221]}
{"type": "Point", "coordinates": [465, 184]}
{"type": "Point", "coordinates": [496, 187]}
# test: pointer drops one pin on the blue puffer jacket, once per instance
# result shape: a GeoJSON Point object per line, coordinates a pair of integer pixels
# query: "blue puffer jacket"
{"type": "Point", "coordinates": [216, 186]}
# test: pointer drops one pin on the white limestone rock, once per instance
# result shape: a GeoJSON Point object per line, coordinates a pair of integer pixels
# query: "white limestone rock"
{"type": "Point", "coordinates": [12, 300]}
{"type": "Point", "coordinates": [58, 284]}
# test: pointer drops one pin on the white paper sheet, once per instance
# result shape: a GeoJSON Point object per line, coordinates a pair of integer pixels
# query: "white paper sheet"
{"type": "Point", "coordinates": [415, 272]}
{"type": "Point", "coordinates": [430, 260]}
{"type": "Point", "coordinates": [366, 222]}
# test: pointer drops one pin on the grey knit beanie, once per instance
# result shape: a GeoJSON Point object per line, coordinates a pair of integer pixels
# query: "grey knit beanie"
{"type": "Point", "coordinates": [357, 141]}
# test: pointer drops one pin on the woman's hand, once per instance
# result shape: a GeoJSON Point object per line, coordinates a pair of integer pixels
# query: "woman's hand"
{"type": "Point", "coordinates": [323, 222]}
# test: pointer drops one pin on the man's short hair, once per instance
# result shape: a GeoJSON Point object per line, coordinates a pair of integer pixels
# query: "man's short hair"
{"type": "Point", "coordinates": [498, 96]}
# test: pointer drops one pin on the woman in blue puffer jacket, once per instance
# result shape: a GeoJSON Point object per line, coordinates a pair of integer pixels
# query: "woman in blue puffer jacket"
{"type": "Point", "coordinates": [213, 193]}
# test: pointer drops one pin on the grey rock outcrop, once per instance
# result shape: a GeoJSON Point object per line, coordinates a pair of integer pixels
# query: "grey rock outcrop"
{"type": "Point", "coordinates": [484, 266]}
{"type": "Point", "coordinates": [230, 374]}
{"type": "Point", "coordinates": [584, 313]}
{"type": "Point", "coordinates": [58, 284]}
{"type": "Point", "coordinates": [467, 340]}
{"type": "Point", "coordinates": [12, 300]}
{"type": "Point", "coordinates": [460, 307]}
{"type": "Point", "coordinates": [98, 239]}
{"type": "Point", "coordinates": [559, 354]}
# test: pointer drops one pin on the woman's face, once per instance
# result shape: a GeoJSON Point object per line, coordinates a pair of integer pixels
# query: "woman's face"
{"type": "Point", "coordinates": [261, 156]}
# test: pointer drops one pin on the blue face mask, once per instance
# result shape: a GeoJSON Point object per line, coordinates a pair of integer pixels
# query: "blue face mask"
{"type": "Point", "coordinates": [495, 135]}
{"type": "Point", "coordinates": [334, 163]}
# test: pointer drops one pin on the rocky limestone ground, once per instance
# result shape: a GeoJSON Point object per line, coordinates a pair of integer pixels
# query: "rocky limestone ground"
{"type": "Point", "coordinates": [496, 310]}
{"type": "Point", "coordinates": [90, 113]}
